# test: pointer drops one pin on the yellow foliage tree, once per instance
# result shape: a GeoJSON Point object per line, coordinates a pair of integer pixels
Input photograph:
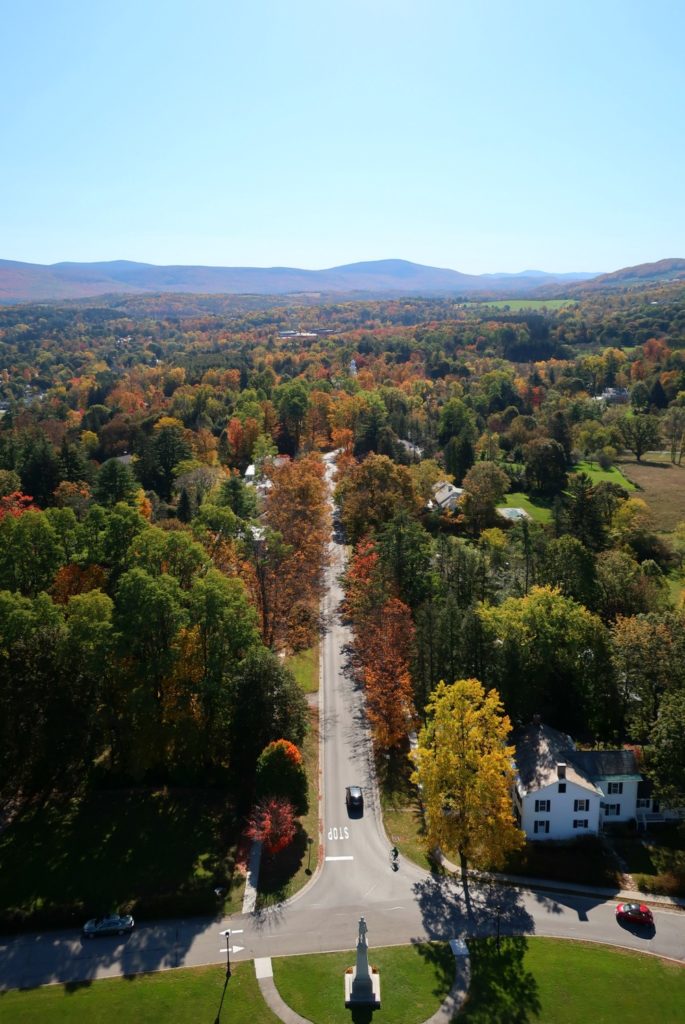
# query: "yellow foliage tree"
{"type": "Point", "coordinates": [465, 771]}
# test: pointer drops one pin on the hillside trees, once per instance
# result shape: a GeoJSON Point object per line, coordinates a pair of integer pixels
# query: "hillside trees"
{"type": "Point", "coordinates": [484, 485]}
{"type": "Point", "coordinates": [372, 492]}
{"type": "Point", "coordinates": [546, 654]}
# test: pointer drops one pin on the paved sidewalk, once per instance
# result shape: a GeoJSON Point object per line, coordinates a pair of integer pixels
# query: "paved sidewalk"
{"type": "Point", "coordinates": [272, 997]}
{"type": "Point", "coordinates": [578, 889]}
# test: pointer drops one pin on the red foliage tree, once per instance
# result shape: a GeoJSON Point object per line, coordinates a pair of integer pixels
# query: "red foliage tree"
{"type": "Point", "coordinates": [272, 822]}
{"type": "Point", "coordinates": [16, 504]}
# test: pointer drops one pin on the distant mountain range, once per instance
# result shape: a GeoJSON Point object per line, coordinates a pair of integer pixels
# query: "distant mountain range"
{"type": "Point", "coordinates": [34, 282]}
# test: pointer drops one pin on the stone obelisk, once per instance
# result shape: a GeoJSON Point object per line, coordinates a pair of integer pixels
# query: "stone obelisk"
{"type": "Point", "coordinates": [362, 986]}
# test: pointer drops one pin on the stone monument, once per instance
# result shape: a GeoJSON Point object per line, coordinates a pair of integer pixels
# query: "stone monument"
{"type": "Point", "coordinates": [362, 985]}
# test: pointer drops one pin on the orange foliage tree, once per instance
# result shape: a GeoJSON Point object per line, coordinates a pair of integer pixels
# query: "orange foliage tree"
{"type": "Point", "coordinates": [290, 560]}
{"type": "Point", "coordinates": [385, 645]}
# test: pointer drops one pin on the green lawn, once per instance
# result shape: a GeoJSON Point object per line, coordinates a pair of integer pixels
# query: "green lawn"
{"type": "Point", "coordinates": [537, 508]}
{"type": "Point", "coordinates": [414, 981]}
{"type": "Point", "coordinates": [675, 578]}
{"type": "Point", "coordinates": [656, 861]}
{"type": "Point", "coordinates": [598, 475]}
{"type": "Point", "coordinates": [579, 860]}
{"type": "Point", "coordinates": [549, 981]}
{"type": "Point", "coordinates": [305, 668]}
{"type": "Point", "coordinates": [173, 997]}
{"type": "Point", "coordinates": [553, 981]}
{"type": "Point", "coordinates": [157, 853]}
{"type": "Point", "coordinates": [282, 875]}
{"type": "Point", "coordinates": [402, 814]}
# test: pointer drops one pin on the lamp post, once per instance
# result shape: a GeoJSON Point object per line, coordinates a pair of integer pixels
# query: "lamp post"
{"type": "Point", "coordinates": [309, 855]}
{"type": "Point", "coordinates": [227, 936]}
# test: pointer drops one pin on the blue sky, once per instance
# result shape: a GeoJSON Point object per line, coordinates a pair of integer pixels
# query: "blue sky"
{"type": "Point", "coordinates": [483, 135]}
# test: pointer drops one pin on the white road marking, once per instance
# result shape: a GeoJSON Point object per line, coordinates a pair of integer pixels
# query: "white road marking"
{"type": "Point", "coordinates": [339, 858]}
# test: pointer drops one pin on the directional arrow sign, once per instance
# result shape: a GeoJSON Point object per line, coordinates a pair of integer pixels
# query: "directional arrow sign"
{"type": "Point", "coordinates": [232, 949]}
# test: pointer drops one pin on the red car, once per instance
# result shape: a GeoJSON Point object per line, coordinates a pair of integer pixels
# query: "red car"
{"type": "Point", "coordinates": [635, 913]}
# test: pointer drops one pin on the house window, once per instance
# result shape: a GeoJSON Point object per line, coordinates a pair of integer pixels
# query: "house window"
{"type": "Point", "coordinates": [581, 805]}
{"type": "Point", "coordinates": [542, 806]}
{"type": "Point", "coordinates": [643, 801]}
{"type": "Point", "coordinates": [615, 787]}
{"type": "Point", "coordinates": [612, 810]}
{"type": "Point", "coordinates": [562, 787]}
{"type": "Point", "coordinates": [541, 827]}
{"type": "Point", "coordinates": [580, 822]}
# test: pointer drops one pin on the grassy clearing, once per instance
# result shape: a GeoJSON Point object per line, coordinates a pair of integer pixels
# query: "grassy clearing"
{"type": "Point", "coordinates": [154, 852]}
{"type": "Point", "coordinates": [663, 487]}
{"type": "Point", "coordinates": [656, 861]}
{"type": "Point", "coordinates": [554, 981]}
{"type": "Point", "coordinates": [676, 586]}
{"type": "Point", "coordinates": [539, 509]}
{"type": "Point", "coordinates": [305, 668]}
{"type": "Point", "coordinates": [414, 981]}
{"type": "Point", "coordinates": [190, 996]}
{"type": "Point", "coordinates": [288, 871]}
{"type": "Point", "coordinates": [609, 476]}
{"type": "Point", "coordinates": [579, 860]}
{"type": "Point", "coordinates": [402, 812]}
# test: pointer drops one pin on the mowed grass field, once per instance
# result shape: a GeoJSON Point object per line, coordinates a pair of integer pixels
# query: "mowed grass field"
{"type": "Point", "coordinates": [305, 667]}
{"type": "Point", "coordinates": [550, 981]}
{"type": "Point", "coordinates": [555, 981]}
{"type": "Point", "coordinates": [538, 509]}
{"type": "Point", "coordinates": [172, 997]}
{"type": "Point", "coordinates": [414, 981]}
{"type": "Point", "coordinates": [662, 485]}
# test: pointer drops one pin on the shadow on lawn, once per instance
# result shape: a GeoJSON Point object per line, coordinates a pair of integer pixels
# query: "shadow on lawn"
{"type": "Point", "coordinates": [501, 990]}
{"type": "Point", "coordinates": [277, 870]}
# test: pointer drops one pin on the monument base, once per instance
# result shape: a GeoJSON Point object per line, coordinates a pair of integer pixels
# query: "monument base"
{"type": "Point", "coordinates": [366, 995]}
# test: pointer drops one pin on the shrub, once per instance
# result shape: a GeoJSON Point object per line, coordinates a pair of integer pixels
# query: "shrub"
{"type": "Point", "coordinates": [280, 773]}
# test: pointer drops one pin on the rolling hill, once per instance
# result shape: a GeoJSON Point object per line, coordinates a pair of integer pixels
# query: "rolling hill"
{"type": "Point", "coordinates": [33, 282]}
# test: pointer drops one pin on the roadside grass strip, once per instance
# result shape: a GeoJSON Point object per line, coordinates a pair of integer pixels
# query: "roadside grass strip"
{"type": "Point", "coordinates": [188, 996]}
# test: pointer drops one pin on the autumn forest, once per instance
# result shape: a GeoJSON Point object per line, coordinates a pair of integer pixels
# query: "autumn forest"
{"type": "Point", "coordinates": [165, 518]}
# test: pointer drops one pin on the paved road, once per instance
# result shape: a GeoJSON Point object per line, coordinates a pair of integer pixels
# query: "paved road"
{"type": "Point", "coordinates": [355, 878]}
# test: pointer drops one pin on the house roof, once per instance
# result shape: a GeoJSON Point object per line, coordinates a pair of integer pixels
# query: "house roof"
{"type": "Point", "coordinates": [539, 749]}
{"type": "Point", "coordinates": [444, 491]}
{"type": "Point", "coordinates": [604, 764]}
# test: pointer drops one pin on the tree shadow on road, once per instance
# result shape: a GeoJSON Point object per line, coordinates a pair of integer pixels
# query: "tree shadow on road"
{"type": "Point", "coordinates": [450, 909]}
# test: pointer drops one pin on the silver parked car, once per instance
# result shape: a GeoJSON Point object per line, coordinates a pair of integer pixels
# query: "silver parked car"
{"type": "Point", "coordinates": [114, 924]}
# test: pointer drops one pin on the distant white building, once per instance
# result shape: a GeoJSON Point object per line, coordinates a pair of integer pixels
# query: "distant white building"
{"type": "Point", "coordinates": [446, 497]}
{"type": "Point", "coordinates": [614, 396]}
{"type": "Point", "coordinates": [561, 792]}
